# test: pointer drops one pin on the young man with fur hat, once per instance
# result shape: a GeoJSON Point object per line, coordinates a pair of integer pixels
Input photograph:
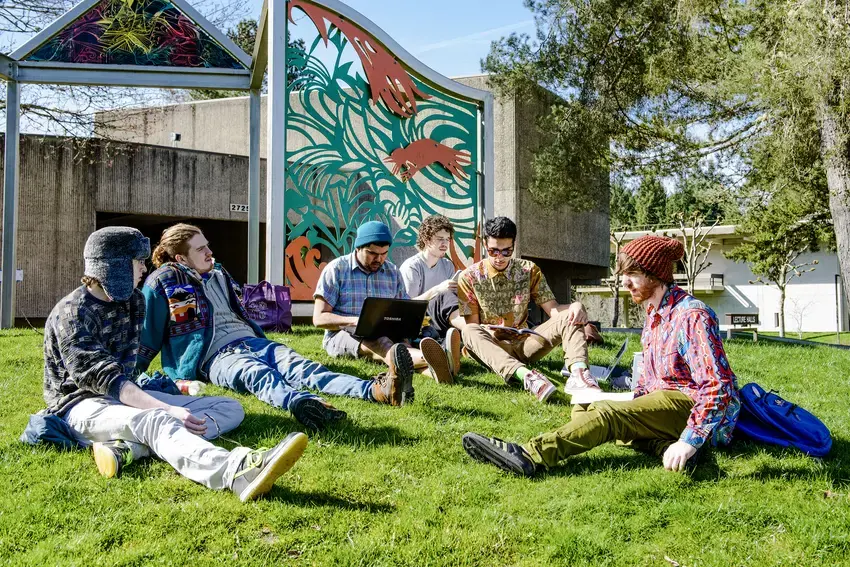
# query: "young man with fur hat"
{"type": "Point", "coordinates": [196, 319]}
{"type": "Point", "coordinates": [91, 341]}
{"type": "Point", "coordinates": [686, 397]}
{"type": "Point", "coordinates": [344, 285]}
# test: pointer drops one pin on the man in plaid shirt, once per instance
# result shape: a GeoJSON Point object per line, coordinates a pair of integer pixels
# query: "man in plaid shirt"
{"type": "Point", "coordinates": [686, 397]}
{"type": "Point", "coordinates": [344, 285]}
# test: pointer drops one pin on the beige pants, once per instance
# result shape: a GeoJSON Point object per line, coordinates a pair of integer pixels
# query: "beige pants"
{"type": "Point", "coordinates": [504, 358]}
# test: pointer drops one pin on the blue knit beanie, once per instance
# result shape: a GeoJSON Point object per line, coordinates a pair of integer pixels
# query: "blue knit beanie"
{"type": "Point", "coordinates": [372, 231]}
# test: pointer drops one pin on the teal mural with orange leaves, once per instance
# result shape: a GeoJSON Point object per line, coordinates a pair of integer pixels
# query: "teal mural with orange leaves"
{"type": "Point", "coordinates": [370, 142]}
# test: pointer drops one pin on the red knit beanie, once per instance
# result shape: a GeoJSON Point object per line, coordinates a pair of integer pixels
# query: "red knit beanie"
{"type": "Point", "coordinates": [655, 255]}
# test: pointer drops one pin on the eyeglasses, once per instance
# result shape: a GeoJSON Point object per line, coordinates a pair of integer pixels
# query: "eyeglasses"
{"type": "Point", "coordinates": [503, 252]}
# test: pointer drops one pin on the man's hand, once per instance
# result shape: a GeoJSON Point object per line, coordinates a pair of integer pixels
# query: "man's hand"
{"type": "Point", "coordinates": [677, 455]}
{"type": "Point", "coordinates": [448, 285]}
{"type": "Point", "coordinates": [189, 421]}
{"type": "Point", "coordinates": [576, 315]}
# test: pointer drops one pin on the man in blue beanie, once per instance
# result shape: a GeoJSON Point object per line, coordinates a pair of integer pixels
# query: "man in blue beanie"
{"type": "Point", "coordinates": [91, 343]}
{"type": "Point", "coordinates": [345, 284]}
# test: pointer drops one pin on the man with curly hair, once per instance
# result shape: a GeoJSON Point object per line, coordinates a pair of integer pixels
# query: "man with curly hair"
{"type": "Point", "coordinates": [430, 275]}
{"type": "Point", "coordinates": [195, 318]}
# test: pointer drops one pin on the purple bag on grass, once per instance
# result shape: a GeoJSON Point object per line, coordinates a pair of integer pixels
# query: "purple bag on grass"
{"type": "Point", "coordinates": [269, 306]}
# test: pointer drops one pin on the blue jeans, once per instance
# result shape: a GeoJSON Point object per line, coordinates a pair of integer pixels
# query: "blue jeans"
{"type": "Point", "coordinates": [276, 374]}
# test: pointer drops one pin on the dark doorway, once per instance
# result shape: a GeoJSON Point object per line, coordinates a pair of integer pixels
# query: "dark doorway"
{"type": "Point", "coordinates": [228, 239]}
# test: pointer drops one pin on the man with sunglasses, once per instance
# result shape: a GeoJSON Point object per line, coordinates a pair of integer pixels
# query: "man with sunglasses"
{"type": "Point", "coordinates": [497, 291]}
{"type": "Point", "coordinates": [343, 286]}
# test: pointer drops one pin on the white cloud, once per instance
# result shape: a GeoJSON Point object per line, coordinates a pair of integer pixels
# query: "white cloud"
{"type": "Point", "coordinates": [473, 38]}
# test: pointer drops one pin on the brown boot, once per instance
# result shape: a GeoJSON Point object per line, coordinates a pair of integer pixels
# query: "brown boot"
{"type": "Point", "coordinates": [395, 386]}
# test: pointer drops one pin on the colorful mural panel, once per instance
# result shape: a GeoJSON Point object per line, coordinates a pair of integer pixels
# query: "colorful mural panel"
{"type": "Point", "coordinates": [373, 142]}
{"type": "Point", "coordinates": [135, 32]}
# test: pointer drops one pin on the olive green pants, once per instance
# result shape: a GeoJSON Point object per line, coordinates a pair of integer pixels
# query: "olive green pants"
{"type": "Point", "coordinates": [649, 423]}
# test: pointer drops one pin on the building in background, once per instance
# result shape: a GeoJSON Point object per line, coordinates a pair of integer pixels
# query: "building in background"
{"type": "Point", "coordinates": [188, 162]}
{"type": "Point", "coordinates": [815, 301]}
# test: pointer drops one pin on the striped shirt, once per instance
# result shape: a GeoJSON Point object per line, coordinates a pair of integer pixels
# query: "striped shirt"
{"type": "Point", "coordinates": [682, 351]}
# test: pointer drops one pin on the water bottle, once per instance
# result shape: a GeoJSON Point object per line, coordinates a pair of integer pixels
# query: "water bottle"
{"type": "Point", "coordinates": [190, 387]}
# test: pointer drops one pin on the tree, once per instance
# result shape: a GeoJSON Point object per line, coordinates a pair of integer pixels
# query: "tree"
{"type": "Point", "coordinates": [621, 211]}
{"type": "Point", "coordinates": [650, 203]}
{"type": "Point", "coordinates": [245, 36]}
{"type": "Point", "coordinates": [703, 192]}
{"type": "Point", "coordinates": [648, 84]}
{"type": "Point", "coordinates": [775, 240]}
{"type": "Point", "coordinates": [694, 234]}
{"type": "Point", "coordinates": [69, 110]}
{"type": "Point", "coordinates": [613, 282]}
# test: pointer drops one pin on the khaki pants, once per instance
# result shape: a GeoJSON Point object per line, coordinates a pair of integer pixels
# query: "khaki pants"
{"type": "Point", "coordinates": [504, 358]}
{"type": "Point", "coordinates": [649, 423]}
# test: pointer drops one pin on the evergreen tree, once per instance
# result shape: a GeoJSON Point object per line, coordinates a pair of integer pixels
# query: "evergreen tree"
{"type": "Point", "coordinates": [650, 203]}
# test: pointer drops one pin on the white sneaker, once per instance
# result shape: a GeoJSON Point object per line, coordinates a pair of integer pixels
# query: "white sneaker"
{"type": "Point", "coordinates": [581, 380]}
{"type": "Point", "coordinates": [539, 386]}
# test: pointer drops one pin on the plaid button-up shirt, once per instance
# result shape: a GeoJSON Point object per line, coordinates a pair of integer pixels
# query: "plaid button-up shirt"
{"type": "Point", "coordinates": [345, 285]}
{"type": "Point", "coordinates": [682, 351]}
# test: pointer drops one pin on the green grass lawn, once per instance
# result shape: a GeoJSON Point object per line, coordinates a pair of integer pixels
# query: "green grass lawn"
{"type": "Point", "coordinates": [818, 337]}
{"type": "Point", "coordinates": [394, 487]}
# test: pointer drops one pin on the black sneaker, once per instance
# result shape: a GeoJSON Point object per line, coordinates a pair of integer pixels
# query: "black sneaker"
{"type": "Point", "coordinates": [111, 457]}
{"type": "Point", "coordinates": [259, 469]}
{"type": "Point", "coordinates": [316, 414]}
{"type": "Point", "coordinates": [507, 456]}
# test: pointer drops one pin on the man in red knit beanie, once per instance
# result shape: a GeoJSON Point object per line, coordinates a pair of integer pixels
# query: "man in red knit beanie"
{"type": "Point", "coordinates": [686, 397]}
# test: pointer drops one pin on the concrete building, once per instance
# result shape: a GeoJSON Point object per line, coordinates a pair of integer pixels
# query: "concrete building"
{"type": "Point", "coordinates": [70, 188]}
{"type": "Point", "coordinates": [569, 246]}
{"type": "Point", "coordinates": [815, 301]}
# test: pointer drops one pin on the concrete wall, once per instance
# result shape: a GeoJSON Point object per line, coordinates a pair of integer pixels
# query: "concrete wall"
{"type": "Point", "coordinates": [572, 245]}
{"type": "Point", "coordinates": [64, 185]}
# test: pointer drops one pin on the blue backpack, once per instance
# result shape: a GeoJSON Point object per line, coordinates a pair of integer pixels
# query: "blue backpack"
{"type": "Point", "coordinates": [770, 419]}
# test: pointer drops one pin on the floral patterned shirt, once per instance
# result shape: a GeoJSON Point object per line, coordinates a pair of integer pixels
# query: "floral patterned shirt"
{"type": "Point", "coordinates": [501, 298]}
{"type": "Point", "coordinates": [682, 351]}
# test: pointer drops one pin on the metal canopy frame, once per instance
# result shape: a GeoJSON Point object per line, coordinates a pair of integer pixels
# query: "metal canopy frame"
{"type": "Point", "coordinates": [15, 70]}
{"type": "Point", "coordinates": [270, 46]}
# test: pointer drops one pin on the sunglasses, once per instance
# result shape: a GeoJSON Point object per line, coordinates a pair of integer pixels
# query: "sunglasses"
{"type": "Point", "coordinates": [503, 252]}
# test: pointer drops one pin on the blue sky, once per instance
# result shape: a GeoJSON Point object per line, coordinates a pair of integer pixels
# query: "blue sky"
{"type": "Point", "coordinates": [450, 36]}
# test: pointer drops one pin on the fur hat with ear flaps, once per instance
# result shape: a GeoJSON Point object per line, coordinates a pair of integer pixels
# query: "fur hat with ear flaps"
{"type": "Point", "coordinates": [109, 256]}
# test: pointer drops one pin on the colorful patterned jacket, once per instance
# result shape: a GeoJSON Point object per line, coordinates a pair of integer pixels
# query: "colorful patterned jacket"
{"type": "Point", "coordinates": [179, 320]}
{"type": "Point", "coordinates": [682, 351]}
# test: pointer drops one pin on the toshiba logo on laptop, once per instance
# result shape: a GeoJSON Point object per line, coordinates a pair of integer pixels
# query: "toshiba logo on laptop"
{"type": "Point", "coordinates": [392, 318]}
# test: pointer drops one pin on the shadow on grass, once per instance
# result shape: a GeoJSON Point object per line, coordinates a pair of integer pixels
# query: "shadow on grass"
{"type": "Point", "coordinates": [352, 433]}
{"type": "Point", "coordinates": [441, 412]}
{"type": "Point", "coordinates": [835, 466]}
{"type": "Point", "coordinates": [326, 500]}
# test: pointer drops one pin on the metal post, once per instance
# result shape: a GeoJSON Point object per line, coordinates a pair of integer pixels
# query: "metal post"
{"type": "Point", "coordinates": [276, 154]}
{"type": "Point", "coordinates": [10, 205]}
{"type": "Point", "coordinates": [254, 187]}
